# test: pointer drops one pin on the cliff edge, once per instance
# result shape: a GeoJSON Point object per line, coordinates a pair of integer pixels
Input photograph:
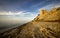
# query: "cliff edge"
{"type": "Point", "coordinates": [45, 25]}
{"type": "Point", "coordinates": [52, 15]}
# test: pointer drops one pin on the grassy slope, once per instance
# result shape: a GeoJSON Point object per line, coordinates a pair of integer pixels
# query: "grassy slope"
{"type": "Point", "coordinates": [37, 28]}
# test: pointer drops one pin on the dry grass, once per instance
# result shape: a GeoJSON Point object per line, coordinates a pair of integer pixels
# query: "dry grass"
{"type": "Point", "coordinates": [45, 26]}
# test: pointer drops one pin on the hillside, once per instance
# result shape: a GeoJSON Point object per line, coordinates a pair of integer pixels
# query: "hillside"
{"type": "Point", "coordinates": [52, 15]}
{"type": "Point", "coordinates": [45, 25]}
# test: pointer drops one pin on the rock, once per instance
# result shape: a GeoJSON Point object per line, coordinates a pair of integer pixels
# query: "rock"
{"type": "Point", "coordinates": [53, 15]}
{"type": "Point", "coordinates": [45, 25]}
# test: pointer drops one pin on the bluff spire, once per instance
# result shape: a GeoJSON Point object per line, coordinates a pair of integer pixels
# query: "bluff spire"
{"type": "Point", "coordinates": [45, 25]}
{"type": "Point", "coordinates": [53, 15]}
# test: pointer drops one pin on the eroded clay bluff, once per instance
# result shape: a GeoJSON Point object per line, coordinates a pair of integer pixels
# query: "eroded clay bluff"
{"type": "Point", "coordinates": [52, 15]}
{"type": "Point", "coordinates": [45, 25]}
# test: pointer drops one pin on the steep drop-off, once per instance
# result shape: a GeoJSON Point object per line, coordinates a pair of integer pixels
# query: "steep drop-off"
{"type": "Point", "coordinates": [45, 25]}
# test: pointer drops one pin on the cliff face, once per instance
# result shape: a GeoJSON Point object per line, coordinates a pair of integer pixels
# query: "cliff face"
{"type": "Point", "coordinates": [53, 15]}
{"type": "Point", "coordinates": [45, 25]}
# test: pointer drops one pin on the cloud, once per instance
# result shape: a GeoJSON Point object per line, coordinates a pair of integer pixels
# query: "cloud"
{"type": "Point", "coordinates": [26, 15]}
{"type": "Point", "coordinates": [50, 6]}
{"type": "Point", "coordinates": [38, 4]}
{"type": "Point", "coordinates": [21, 15]}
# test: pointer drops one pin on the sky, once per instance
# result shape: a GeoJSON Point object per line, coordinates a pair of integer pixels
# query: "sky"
{"type": "Point", "coordinates": [24, 10]}
{"type": "Point", "coordinates": [16, 12]}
